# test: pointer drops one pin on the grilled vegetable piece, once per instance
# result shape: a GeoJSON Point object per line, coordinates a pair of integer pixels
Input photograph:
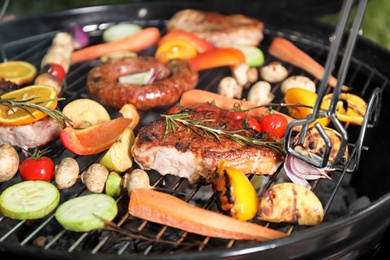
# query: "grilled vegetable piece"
{"type": "Point", "coordinates": [118, 158]}
{"type": "Point", "coordinates": [302, 101]}
{"type": "Point", "coordinates": [66, 173]}
{"type": "Point", "coordinates": [98, 138]}
{"type": "Point", "coordinates": [286, 51]}
{"type": "Point", "coordinates": [315, 144]}
{"type": "Point", "coordinates": [350, 108]}
{"type": "Point", "coordinates": [119, 31]}
{"type": "Point", "coordinates": [85, 112]}
{"type": "Point", "coordinates": [235, 194]}
{"type": "Point", "coordinates": [82, 214]}
{"type": "Point", "coordinates": [290, 202]}
{"type": "Point", "coordinates": [9, 162]}
{"type": "Point", "coordinates": [136, 42]}
{"type": "Point", "coordinates": [29, 200]}
{"type": "Point", "coordinates": [95, 177]}
{"type": "Point", "coordinates": [168, 210]}
{"type": "Point", "coordinates": [113, 184]}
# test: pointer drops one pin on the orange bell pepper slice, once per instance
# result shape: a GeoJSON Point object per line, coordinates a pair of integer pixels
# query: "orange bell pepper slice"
{"type": "Point", "coordinates": [97, 138]}
{"type": "Point", "coordinates": [217, 57]}
{"type": "Point", "coordinates": [201, 45]}
{"type": "Point", "coordinates": [175, 49]}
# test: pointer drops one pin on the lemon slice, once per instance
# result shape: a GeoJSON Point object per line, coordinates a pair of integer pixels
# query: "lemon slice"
{"type": "Point", "coordinates": [18, 72]}
{"type": "Point", "coordinates": [13, 115]}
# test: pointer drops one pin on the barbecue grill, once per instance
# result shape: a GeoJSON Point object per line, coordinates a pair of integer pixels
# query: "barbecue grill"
{"type": "Point", "coordinates": [357, 203]}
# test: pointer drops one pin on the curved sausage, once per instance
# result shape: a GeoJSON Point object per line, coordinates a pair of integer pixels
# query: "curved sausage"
{"type": "Point", "coordinates": [174, 77]}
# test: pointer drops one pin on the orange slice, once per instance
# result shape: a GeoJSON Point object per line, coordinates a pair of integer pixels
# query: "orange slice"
{"type": "Point", "coordinates": [18, 72]}
{"type": "Point", "coordinates": [13, 115]}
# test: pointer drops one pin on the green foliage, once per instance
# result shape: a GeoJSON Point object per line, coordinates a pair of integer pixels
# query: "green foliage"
{"type": "Point", "coordinates": [376, 22]}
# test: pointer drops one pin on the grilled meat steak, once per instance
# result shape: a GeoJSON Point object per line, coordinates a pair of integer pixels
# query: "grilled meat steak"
{"type": "Point", "coordinates": [31, 135]}
{"type": "Point", "coordinates": [191, 153]}
{"type": "Point", "coordinates": [221, 30]}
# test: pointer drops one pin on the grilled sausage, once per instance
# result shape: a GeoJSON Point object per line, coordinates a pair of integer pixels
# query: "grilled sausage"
{"type": "Point", "coordinates": [173, 78]}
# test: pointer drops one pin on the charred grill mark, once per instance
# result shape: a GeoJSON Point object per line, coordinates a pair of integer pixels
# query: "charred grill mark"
{"type": "Point", "coordinates": [144, 136]}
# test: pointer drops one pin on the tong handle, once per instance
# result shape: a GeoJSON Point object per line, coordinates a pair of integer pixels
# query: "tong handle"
{"type": "Point", "coordinates": [331, 113]}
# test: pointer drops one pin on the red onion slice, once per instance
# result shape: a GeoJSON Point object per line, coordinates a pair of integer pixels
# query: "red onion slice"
{"type": "Point", "coordinates": [80, 38]}
{"type": "Point", "coordinates": [293, 177]}
{"type": "Point", "coordinates": [306, 170]}
{"type": "Point", "coordinates": [300, 171]}
{"type": "Point", "coordinates": [138, 78]}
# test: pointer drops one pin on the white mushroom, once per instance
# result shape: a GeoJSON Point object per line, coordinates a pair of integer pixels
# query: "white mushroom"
{"type": "Point", "coordinates": [244, 75]}
{"type": "Point", "coordinates": [66, 173]}
{"type": "Point", "coordinates": [229, 87]}
{"type": "Point", "coordinates": [95, 177]}
{"type": "Point", "coordinates": [260, 93]}
{"type": "Point", "coordinates": [273, 72]}
{"type": "Point", "coordinates": [9, 162]}
{"type": "Point", "coordinates": [298, 82]}
{"type": "Point", "coordinates": [137, 179]}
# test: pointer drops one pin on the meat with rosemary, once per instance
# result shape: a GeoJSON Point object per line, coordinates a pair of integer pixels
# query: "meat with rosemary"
{"type": "Point", "coordinates": [190, 144]}
{"type": "Point", "coordinates": [31, 135]}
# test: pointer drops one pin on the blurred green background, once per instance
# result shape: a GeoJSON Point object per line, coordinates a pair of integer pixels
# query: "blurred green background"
{"type": "Point", "coordinates": [376, 23]}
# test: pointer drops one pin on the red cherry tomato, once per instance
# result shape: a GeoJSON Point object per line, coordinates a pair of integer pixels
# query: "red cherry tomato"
{"type": "Point", "coordinates": [56, 70]}
{"type": "Point", "coordinates": [274, 123]}
{"type": "Point", "coordinates": [237, 115]}
{"type": "Point", "coordinates": [41, 168]}
{"type": "Point", "coordinates": [253, 123]}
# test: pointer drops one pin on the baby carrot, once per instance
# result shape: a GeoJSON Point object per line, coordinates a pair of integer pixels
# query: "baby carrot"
{"type": "Point", "coordinates": [141, 40]}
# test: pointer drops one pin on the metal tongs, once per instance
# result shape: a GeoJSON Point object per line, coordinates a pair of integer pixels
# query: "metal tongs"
{"type": "Point", "coordinates": [373, 107]}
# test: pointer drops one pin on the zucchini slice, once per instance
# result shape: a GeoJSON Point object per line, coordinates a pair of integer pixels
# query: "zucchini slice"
{"type": "Point", "coordinates": [82, 214]}
{"type": "Point", "coordinates": [29, 200]}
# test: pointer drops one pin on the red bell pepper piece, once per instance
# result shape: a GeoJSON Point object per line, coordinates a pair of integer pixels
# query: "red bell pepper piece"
{"type": "Point", "coordinates": [97, 138]}
{"type": "Point", "coordinates": [217, 57]}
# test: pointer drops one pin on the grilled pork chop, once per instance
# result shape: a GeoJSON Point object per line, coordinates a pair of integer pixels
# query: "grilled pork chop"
{"type": "Point", "coordinates": [221, 30]}
{"type": "Point", "coordinates": [191, 153]}
{"type": "Point", "coordinates": [31, 135]}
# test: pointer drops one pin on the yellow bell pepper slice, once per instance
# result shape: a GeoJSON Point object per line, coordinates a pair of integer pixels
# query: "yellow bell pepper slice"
{"type": "Point", "coordinates": [235, 194]}
{"type": "Point", "coordinates": [350, 108]}
{"type": "Point", "coordinates": [295, 96]}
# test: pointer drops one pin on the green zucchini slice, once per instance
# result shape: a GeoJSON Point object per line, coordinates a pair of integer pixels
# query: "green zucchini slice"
{"type": "Point", "coordinates": [81, 214]}
{"type": "Point", "coordinates": [29, 200]}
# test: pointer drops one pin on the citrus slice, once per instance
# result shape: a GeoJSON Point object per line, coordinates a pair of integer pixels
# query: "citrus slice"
{"type": "Point", "coordinates": [18, 72]}
{"type": "Point", "coordinates": [14, 115]}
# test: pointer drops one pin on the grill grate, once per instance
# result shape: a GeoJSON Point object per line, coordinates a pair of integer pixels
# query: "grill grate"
{"type": "Point", "coordinates": [47, 234]}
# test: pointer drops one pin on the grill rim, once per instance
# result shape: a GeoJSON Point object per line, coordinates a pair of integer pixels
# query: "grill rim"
{"type": "Point", "coordinates": [306, 235]}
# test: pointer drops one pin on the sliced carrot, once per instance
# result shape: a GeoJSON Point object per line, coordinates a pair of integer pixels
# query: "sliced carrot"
{"type": "Point", "coordinates": [169, 210]}
{"type": "Point", "coordinates": [286, 51]}
{"type": "Point", "coordinates": [194, 97]}
{"type": "Point", "coordinates": [136, 42]}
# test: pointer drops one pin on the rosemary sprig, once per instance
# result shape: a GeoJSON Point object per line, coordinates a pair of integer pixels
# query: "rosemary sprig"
{"type": "Point", "coordinates": [235, 135]}
{"type": "Point", "coordinates": [12, 103]}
